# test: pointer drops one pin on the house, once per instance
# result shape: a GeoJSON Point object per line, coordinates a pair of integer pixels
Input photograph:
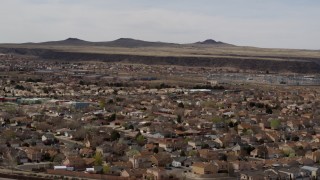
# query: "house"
{"type": "Point", "coordinates": [48, 137]}
{"type": "Point", "coordinates": [122, 164]}
{"type": "Point", "coordinates": [20, 156]}
{"type": "Point", "coordinates": [293, 172]}
{"type": "Point", "coordinates": [243, 128]}
{"type": "Point", "coordinates": [252, 175]}
{"type": "Point", "coordinates": [133, 173]}
{"type": "Point", "coordinates": [156, 173]}
{"type": "Point", "coordinates": [274, 153]}
{"type": "Point", "coordinates": [15, 143]}
{"type": "Point", "coordinates": [223, 166]}
{"type": "Point", "coordinates": [89, 161]}
{"type": "Point", "coordinates": [202, 168]}
{"type": "Point", "coordinates": [208, 154]}
{"type": "Point", "coordinates": [271, 174]}
{"type": "Point", "coordinates": [315, 155]}
{"type": "Point", "coordinates": [266, 152]}
{"type": "Point", "coordinates": [141, 161]}
{"type": "Point", "coordinates": [195, 144]}
{"type": "Point", "coordinates": [310, 171]}
{"type": "Point", "coordinates": [167, 144]}
{"type": "Point", "coordinates": [273, 136]}
{"type": "Point", "coordinates": [151, 146]}
{"type": "Point", "coordinates": [105, 149]}
{"type": "Point", "coordinates": [92, 141]}
{"type": "Point", "coordinates": [161, 159]}
{"type": "Point", "coordinates": [86, 152]}
{"type": "Point", "coordinates": [178, 161]}
{"type": "Point", "coordinates": [65, 132]}
{"type": "Point", "coordinates": [33, 154]}
{"type": "Point", "coordinates": [76, 162]}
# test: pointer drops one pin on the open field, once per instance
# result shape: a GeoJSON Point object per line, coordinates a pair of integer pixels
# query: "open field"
{"type": "Point", "coordinates": [182, 50]}
{"type": "Point", "coordinates": [212, 55]}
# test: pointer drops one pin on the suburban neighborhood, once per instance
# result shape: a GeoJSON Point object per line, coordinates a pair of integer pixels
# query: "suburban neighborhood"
{"type": "Point", "coordinates": [99, 120]}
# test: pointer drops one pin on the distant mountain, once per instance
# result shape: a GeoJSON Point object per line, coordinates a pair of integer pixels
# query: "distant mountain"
{"type": "Point", "coordinates": [122, 42]}
{"type": "Point", "coordinates": [125, 42]}
{"type": "Point", "coordinates": [128, 42]}
{"type": "Point", "coordinates": [212, 42]}
{"type": "Point", "coordinates": [69, 41]}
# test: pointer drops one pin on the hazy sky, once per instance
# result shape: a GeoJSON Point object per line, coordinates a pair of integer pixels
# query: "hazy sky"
{"type": "Point", "coordinates": [262, 23]}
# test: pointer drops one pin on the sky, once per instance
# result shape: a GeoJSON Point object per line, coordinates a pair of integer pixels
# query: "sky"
{"type": "Point", "coordinates": [261, 23]}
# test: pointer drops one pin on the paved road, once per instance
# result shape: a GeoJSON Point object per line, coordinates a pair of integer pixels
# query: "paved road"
{"type": "Point", "coordinates": [30, 174]}
{"type": "Point", "coordinates": [30, 166]}
{"type": "Point", "coordinates": [68, 140]}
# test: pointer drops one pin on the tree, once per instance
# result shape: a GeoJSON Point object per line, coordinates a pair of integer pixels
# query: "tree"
{"type": "Point", "coordinates": [46, 157]}
{"type": "Point", "coordinates": [182, 153]}
{"type": "Point", "coordinates": [181, 105]}
{"type": "Point", "coordinates": [275, 123]}
{"type": "Point", "coordinates": [268, 110]}
{"type": "Point", "coordinates": [81, 83]}
{"type": "Point", "coordinates": [205, 146]}
{"type": "Point", "coordinates": [295, 138]}
{"type": "Point", "coordinates": [102, 103]}
{"type": "Point", "coordinates": [192, 153]}
{"type": "Point", "coordinates": [216, 119]}
{"type": "Point", "coordinates": [98, 159]}
{"type": "Point", "coordinates": [130, 126]}
{"type": "Point", "coordinates": [248, 149]}
{"type": "Point", "coordinates": [179, 120]}
{"type": "Point", "coordinates": [110, 101]}
{"type": "Point", "coordinates": [106, 169]}
{"type": "Point", "coordinates": [113, 117]}
{"type": "Point", "coordinates": [126, 126]}
{"type": "Point", "coordinates": [20, 87]}
{"type": "Point", "coordinates": [8, 134]}
{"type": "Point", "coordinates": [80, 134]}
{"type": "Point", "coordinates": [115, 135]}
{"type": "Point", "coordinates": [132, 152]}
{"type": "Point", "coordinates": [156, 150]}
{"type": "Point", "coordinates": [289, 152]}
{"type": "Point", "coordinates": [140, 139]}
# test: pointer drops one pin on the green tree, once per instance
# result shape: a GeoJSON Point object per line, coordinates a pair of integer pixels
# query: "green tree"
{"type": "Point", "coordinates": [156, 150]}
{"type": "Point", "coordinates": [140, 139]}
{"type": "Point", "coordinates": [132, 152]}
{"type": "Point", "coordinates": [275, 123]}
{"type": "Point", "coordinates": [205, 146]}
{"type": "Point", "coordinates": [98, 159]}
{"type": "Point", "coordinates": [192, 153]}
{"type": "Point", "coordinates": [102, 103]}
{"type": "Point", "coordinates": [115, 135]}
{"type": "Point", "coordinates": [113, 117]}
{"type": "Point", "coordinates": [289, 152]}
{"type": "Point", "coordinates": [106, 169]}
{"type": "Point", "coordinates": [216, 119]}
